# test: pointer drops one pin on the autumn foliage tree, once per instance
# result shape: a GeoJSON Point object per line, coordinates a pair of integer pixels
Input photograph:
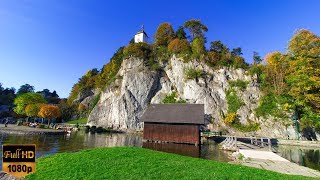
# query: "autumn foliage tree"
{"type": "Point", "coordinates": [49, 111]}
{"type": "Point", "coordinates": [276, 68]}
{"type": "Point", "coordinates": [164, 34]}
{"type": "Point", "coordinates": [139, 50]}
{"type": "Point", "coordinates": [304, 70]}
{"type": "Point", "coordinates": [179, 46]}
{"type": "Point", "coordinates": [32, 110]}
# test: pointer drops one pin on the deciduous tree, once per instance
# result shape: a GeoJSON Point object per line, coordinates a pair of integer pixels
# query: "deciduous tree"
{"type": "Point", "coordinates": [25, 99]}
{"type": "Point", "coordinates": [164, 34]}
{"type": "Point", "coordinates": [179, 46]}
{"type": "Point", "coordinates": [32, 110]}
{"type": "Point", "coordinates": [49, 111]}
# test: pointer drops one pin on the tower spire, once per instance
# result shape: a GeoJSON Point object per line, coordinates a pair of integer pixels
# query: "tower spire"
{"type": "Point", "coordinates": [142, 27]}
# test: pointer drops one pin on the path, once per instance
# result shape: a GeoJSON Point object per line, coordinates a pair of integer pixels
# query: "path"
{"type": "Point", "coordinates": [270, 161]}
{"type": "Point", "coordinates": [24, 130]}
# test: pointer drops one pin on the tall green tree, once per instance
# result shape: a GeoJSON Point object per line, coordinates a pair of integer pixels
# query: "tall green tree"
{"type": "Point", "coordinates": [181, 34]}
{"type": "Point", "coordinates": [25, 99]}
{"type": "Point", "coordinates": [25, 89]}
{"type": "Point", "coordinates": [304, 69]}
{"type": "Point", "coordinates": [164, 34]}
{"type": "Point", "coordinates": [198, 47]}
{"type": "Point", "coordinates": [218, 47]}
{"type": "Point", "coordinates": [196, 28]}
{"type": "Point", "coordinates": [256, 58]}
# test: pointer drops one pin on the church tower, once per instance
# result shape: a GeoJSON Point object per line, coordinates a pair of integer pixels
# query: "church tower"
{"type": "Point", "coordinates": [141, 36]}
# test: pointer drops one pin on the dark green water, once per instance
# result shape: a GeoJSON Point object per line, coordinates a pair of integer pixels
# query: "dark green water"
{"type": "Point", "coordinates": [51, 144]}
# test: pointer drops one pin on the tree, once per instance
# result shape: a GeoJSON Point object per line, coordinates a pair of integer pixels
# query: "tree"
{"type": "Point", "coordinates": [198, 48]}
{"type": "Point", "coordinates": [218, 47]}
{"type": "Point", "coordinates": [256, 58]}
{"type": "Point", "coordinates": [181, 34]}
{"type": "Point", "coordinates": [304, 70]}
{"type": "Point", "coordinates": [25, 99]}
{"type": "Point", "coordinates": [236, 51]}
{"type": "Point", "coordinates": [32, 110]}
{"type": "Point", "coordinates": [164, 34]}
{"type": "Point", "coordinates": [25, 89]}
{"type": "Point", "coordinates": [139, 50]}
{"type": "Point", "coordinates": [49, 111]}
{"type": "Point", "coordinates": [66, 110]}
{"type": "Point", "coordinates": [276, 68]}
{"type": "Point", "coordinates": [196, 28]}
{"type": "Point", "coordinates": [179, 46]}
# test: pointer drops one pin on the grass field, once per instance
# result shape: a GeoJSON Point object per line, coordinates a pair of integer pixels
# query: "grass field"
{"type": "Point", "coordinates": [139, 163]}
{"type": "Point", "coordinates": [79, 121]}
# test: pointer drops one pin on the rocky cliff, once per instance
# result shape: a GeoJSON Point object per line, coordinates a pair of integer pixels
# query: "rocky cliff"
{"type": "Point", "coordinates": [123, 103]}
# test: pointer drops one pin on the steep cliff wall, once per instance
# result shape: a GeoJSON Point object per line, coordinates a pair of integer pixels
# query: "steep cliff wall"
{"type": "Point", "coordinates": [122, 104]}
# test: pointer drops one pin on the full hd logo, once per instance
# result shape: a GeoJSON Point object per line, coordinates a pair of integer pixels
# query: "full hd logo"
{"type": "Point", "coordinates": [18, 160]}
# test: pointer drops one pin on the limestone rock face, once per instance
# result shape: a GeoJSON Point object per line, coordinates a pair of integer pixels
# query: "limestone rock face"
{"type": "Point", "coordinates": [122, 104]}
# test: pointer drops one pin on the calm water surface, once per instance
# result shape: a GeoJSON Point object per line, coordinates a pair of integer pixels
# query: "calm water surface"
{"type": "Point", "coordinates": [51, 144]}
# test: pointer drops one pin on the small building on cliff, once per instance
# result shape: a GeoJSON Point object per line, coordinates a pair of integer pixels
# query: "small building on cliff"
{"type": "Point", "coordinates": [141, 36]}
{"type": "Point", "coordinates": [178, 123]}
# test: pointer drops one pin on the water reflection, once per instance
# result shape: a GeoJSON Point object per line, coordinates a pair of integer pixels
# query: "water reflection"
{"type": "Point", "coordinates": [182, 149]}
{"type": "Point", "coordinates": [51, 144]}
{"type": "Point", "coordinates": [301, 155]}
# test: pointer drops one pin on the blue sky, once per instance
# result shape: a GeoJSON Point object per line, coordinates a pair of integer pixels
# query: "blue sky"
{"type": "Point", "coordinates": [52, 43]}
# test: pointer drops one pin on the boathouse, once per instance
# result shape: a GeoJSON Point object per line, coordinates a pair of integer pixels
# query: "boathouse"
{"type": "Point", "coordinates": [178, 123]}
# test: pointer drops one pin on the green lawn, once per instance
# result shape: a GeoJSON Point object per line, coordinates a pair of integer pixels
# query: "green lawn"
{"type": "Point", "coordinates": [79, 121]}
{"type": "Point", "coordinates": [139, 163]}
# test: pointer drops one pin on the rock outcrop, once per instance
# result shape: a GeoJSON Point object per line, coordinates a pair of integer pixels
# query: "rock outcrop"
{"type": "Point", "coordinates": [122, 104]}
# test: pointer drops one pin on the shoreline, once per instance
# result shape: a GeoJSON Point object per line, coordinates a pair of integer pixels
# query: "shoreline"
{"type": "Point", "coordinates": [24, 130]}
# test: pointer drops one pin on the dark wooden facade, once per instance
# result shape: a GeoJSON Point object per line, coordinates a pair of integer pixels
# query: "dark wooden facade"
{"type": "Point", "coordinates": [177, 133]}
{"type": "Point", "coordinates": [177, 123]}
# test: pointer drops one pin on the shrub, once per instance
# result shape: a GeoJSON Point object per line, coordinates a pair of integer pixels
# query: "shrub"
{"type": "Point", "coordinates": [242, 85]}
{"type": "Point", "coordinates": [161, 53]}
{"type": "Point", "coordinates": [246, 128]}
{"type": "Point", "coordinates": [234, 102]}
{"type": "Point", "coordinates": [193, 73]}
{"type": "Point", "coordinates": [179, 46]}
{"type": "Point", "coordinates": [139, 50]}
{"type": "Point", "coordinates": [230, 118]}
{"type": "Point", "coordinates": [171, 99]}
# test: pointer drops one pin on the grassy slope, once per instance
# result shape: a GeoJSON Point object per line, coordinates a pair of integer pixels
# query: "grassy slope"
{"type": "Point", "coordinates": [139, 163]}
{"type": "Point", "coordinates": [79, 121]}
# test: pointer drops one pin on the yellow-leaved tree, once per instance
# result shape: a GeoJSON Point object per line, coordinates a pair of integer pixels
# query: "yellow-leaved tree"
{"type": "Point", "coordinates": [49, 111]}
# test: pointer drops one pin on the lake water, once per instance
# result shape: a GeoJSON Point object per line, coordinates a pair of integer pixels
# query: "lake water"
{"type": "Point", "coordinates": [51, 144]}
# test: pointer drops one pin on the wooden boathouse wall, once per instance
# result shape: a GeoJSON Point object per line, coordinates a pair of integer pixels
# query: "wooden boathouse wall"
{"type": "Point", "coordinates": [177, 123]}
{"type": "Point", "coordinates": [177, 133]}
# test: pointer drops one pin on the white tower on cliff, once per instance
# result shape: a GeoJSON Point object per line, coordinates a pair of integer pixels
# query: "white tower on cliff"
{"type": "Point", "coordinates": [141, 36]}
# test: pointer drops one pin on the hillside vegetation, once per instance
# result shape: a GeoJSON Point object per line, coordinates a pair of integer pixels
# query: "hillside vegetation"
{"type": "Point", "coordinates": [290, 82]}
